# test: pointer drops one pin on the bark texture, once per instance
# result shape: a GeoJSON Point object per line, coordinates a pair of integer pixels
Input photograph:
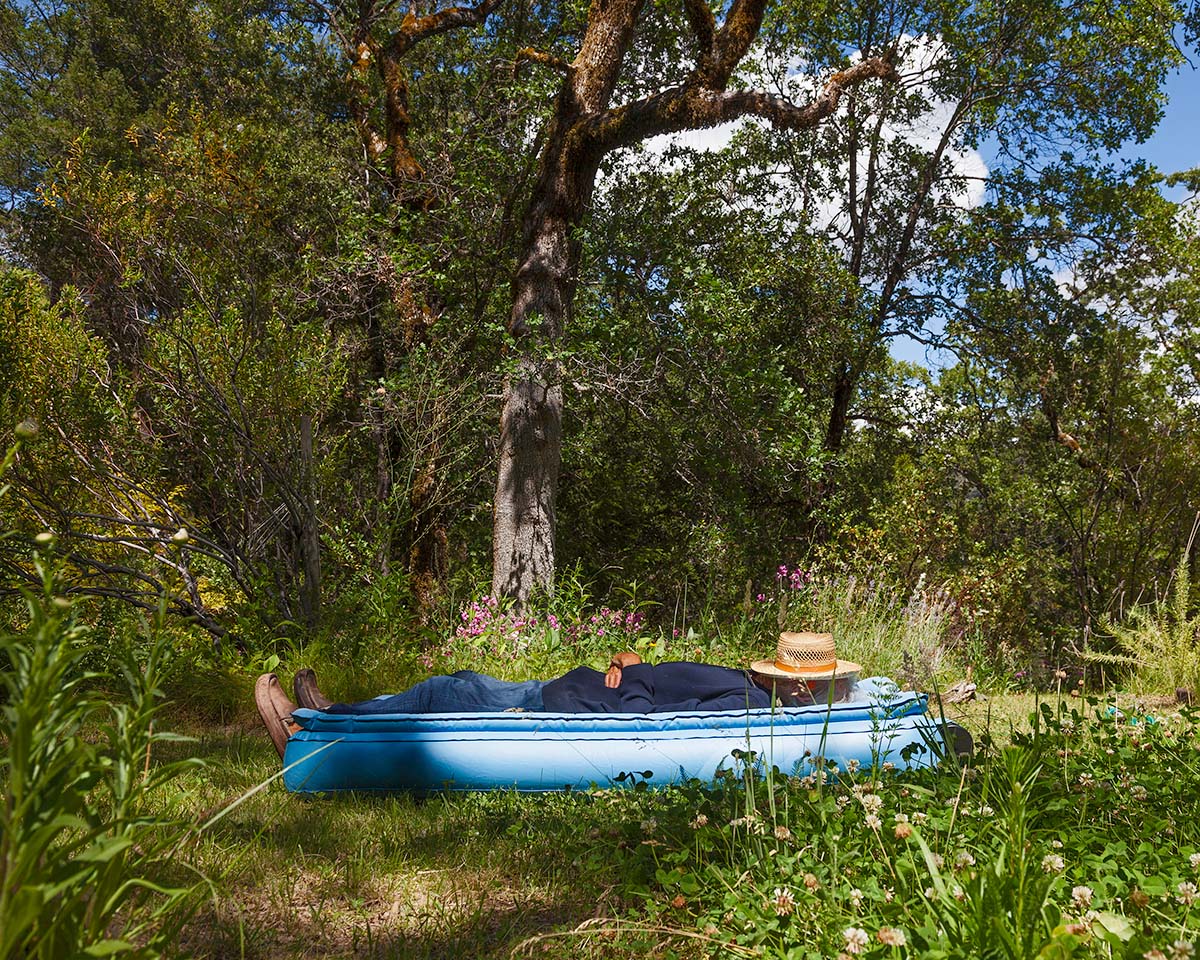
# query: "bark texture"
{"type": "Point", "coordinates": [585, 127]}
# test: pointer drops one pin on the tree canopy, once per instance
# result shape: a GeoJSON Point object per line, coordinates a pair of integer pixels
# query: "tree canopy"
{"type": "Point", "coordinates": [389, 302]}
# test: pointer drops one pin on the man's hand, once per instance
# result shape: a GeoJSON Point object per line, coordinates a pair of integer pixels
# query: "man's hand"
{"type": "Point", "coordinates": [612, 679]}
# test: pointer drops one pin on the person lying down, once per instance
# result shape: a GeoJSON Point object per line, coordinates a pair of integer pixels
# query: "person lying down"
{"type": "Point", "coordinates": [805, 671]}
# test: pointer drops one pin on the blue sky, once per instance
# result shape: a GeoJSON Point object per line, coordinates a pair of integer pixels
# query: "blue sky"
{"type": "Point", "coordinates": [1174, 146]}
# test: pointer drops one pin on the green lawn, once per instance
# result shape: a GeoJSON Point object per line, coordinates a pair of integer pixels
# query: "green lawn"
{"type": "Point", "coordinates": [623, 874]}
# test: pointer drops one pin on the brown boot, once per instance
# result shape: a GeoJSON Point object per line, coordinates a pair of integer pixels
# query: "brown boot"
{"type": "Point", "coordinates": [275, 709]}
{"type": "Point", "coordinates": [304, 686]}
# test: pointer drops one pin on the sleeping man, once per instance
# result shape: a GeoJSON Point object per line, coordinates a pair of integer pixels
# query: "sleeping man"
{"type": "Point", "coordinates": [805, 671]}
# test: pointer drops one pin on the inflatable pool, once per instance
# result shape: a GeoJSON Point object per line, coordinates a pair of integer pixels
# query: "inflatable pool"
{"type": "Point", "coordinates": [534, 752]}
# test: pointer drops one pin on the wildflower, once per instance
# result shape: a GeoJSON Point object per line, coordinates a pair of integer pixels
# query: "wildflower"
{"type": "Point", "coordinates": [1086, 780]}
{"type": "Point", "coordinates": [1056, 844]}
{"type": "Point", "coordinates": [856, 940]}
{"type": "Point", "coordinates": [938, 861]}
{"type": "Point", "coordinates": [872, 802]}
{"type": "Point", "coordinates": [1081, 896]}
{"type": "Point", "coordinates": [1060, 674]}
{"type": "Point", "coordinates": [901, 818]}
{"type": "Point", "coordinates": [856, 898]}
{"type": "Point", "coordinates": [930, 893]}
{"type": "Point", "coordinates": [811, 881]}
{"type": "Point", "coordinates": [873, 821]}
{"type": "Point", "coordinates": [958, 893]}
{"type": "Point", "coordinates": [1053, 863]}
{"type": "Point", "coordinates": [1194, 860]}
{"type": "Point", "coordinates": [842, 801]}
{"type": "Point", "coordinates": [783, 901]}
{"type": "Point", "coordinates": [679, 902]}
{"type": "Point", "coordinates": [963, 860]}
{"type": "Point", "coordinates": [1154, 955]}
{"type": "Point", "coordinates": [782, 833]}
{"type": "Point", "coordinates": [891, 937]}
{"type": "Point", "coordinates": [919, 817]}
{"type": "Point", "coordinates": [1138, 792]}
{"type": "Point", "coordinates": [1187, 893]}
{"type": "Point", "coordinates": [1139, 899]}
{"type": "Point", "coordinates": [888, 894]}
{"type": "Point", "coordinates": [903, 831]}
{"type": "Point", "coordinates": [650, 825]}
{"type": "Point", "coordinates": [1182, 950]}
{"type": "Point", "coordinates": [700, 821]}
{"type": "Point", "coordinates": [810, 781]}
{"type": "Point", "coordinates": [888, 766]}
{"type": "Point", "coordinates": [985, 810]}
{"type": "Point", "coordinates": [852, 765]}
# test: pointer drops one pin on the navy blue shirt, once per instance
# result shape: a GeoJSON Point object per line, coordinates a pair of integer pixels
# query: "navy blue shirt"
{"type": "Point", "coordinates": [654, 688]}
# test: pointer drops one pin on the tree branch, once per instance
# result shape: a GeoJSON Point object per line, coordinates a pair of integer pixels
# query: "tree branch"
{"type": "Point", "coordinates": [415, 29]}
{"type": "Point", "coordinates": [733, 40]}
{"type": "Point", "coordinates": [693, 107]}
{"type": "Point", "coordinates": [700, 19]}
{"type": "Point", "coordinates": [537, 56]}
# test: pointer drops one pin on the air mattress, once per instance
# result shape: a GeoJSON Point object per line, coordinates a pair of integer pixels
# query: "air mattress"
{"type": "Point", "coordinates": [534, 752]}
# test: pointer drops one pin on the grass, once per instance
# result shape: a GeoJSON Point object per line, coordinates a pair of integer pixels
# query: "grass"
{"type": "Point", "coordinates": [488, 875]}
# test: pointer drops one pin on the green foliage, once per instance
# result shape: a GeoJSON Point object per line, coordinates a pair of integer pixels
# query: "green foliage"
{"type": "Point", "coordinates": [1048, 848]}
{"type": "Point", "coordinates": [1160, 640]}
{"type": "Point", "coordinates": [88, 867]}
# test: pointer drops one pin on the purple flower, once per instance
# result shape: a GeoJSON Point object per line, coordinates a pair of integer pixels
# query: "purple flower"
{"type": "Point", "coordinates": [762, 597]}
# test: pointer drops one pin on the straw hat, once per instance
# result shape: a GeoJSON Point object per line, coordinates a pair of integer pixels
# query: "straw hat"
{"type": "Point", "coordinates": [805, 656]}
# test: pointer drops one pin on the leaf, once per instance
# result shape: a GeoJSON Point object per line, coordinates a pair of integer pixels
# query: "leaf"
{"type": "Point", "coordinates": [1112, 928]}
{"type": "Point", "coordinates": [106, 948]}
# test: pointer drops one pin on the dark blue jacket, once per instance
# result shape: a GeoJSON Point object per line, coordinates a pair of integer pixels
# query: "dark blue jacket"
{"type": "Point", "coordinates": [654, 688]}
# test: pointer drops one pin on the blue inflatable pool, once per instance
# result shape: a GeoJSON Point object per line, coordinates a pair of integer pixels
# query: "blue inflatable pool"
{"type": "Point", "coordinates": [535, 752]}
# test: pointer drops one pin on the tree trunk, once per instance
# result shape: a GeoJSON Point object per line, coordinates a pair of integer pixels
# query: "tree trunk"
{"type": "Point", "coordinates": [583, 129]}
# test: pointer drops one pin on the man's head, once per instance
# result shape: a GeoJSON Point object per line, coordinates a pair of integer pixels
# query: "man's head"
{"type": "Point", "coordinates": [806, 671]}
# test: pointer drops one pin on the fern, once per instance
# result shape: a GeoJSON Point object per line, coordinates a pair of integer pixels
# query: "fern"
{"type": "Point", "coordinates": [1159, 640]}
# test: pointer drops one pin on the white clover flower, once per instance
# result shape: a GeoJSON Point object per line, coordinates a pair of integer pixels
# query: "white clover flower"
{"type": "Point", "coordinates": [1081, 896]}
{"type": "Point", "coordinates": [856, 898]}
{"type": "Point", "coordinates": [1154, 955]}
{"type": "Point", "coordinates": [958, 893]}
{"type": "Point", "coordinates": [938, 861]}
{"type": "Point", "coordinates": [782, 833]}
{"type": "Point", "coordinates": [900, 818]}
{"type": "Point", "coordinates": [963, 860]}
{"type": "Point", "coordinates": [1187, 893]}
{"type": "Point", "coordinates": [1056, 844]}
{"type": "Point", "coordinates": [986, 811]}
{"type": "Point", "coordinates": [856, 940]}
{"type": "Point", "coordinates": [783, 901]}
{"type": "Point", "coordinates": [873, 821]}
{"type": "Point", "coordinates": [649, 826]}
{"type": "Point", "coordinates": [1194, 860]}
{"type": "Point", "coordinates": [700, 821]}
{"type": "Point", "coordinates": [888, 766]}
{"type": "Point", "coordinates": [919, 817]}
{"type": "Point", "coordinates": [852, 765]}
{"type": "Point", "coordinates": [1182, 950]}
{"type": "Point", "coordinates": [811, 881]}
{"type": "Point", "coordinates": [872, 802]}
{"type": "Point", "coordinates": [891, 937]}
{"type": "Point", "coordinates": [1053, 863]}
{"type": "Point", "coordinates": [930, 893]}
{"type": "Point", "coordinates": [842, 801]}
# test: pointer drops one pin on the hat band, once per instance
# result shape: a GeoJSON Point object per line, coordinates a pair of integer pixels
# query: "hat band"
{"type": "Point", "coordinates": [807, 668]}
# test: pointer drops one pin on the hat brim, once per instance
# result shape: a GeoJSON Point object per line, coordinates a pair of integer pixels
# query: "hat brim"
{"type": "Point", "coordinates": [767, 668]}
